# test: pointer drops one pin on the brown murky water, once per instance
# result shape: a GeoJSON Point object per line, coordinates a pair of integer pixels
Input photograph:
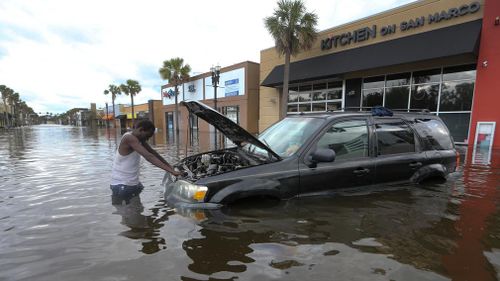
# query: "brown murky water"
{"type": "Point", "coordinates": [57, 223]}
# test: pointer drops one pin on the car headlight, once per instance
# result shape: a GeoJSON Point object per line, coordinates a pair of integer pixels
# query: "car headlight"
{"type": "Point", "coordinates": [189, 191]}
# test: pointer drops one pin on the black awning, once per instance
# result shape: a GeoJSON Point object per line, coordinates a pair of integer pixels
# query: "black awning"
{"type": "Point", "coordinates": [445, 42]}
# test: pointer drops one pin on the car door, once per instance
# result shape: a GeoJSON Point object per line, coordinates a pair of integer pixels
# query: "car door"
{"type": "Point", "coordinates": [353, 165]}
{"type": "Point", "coordinates": [398, 155]}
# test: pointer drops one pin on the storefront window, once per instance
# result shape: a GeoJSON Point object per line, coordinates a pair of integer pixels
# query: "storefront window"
{"type": "Point", "coordinates": [193, 129]}
{"type": "Point", "coordinates": [395, 80]}
{"type": "Point", "coordinates": [457, 96]}
{"type": "Point", "coordinates": [458, 124]}
{"type": "Point", "coordinates": [397, 97]}
{"type": "Point", "coordinates": [304, 88]}
{"type": "Point", "coordinates": [373, 97]}
{"type": "Point", "coordinates": [424, 96]}
{"type": "Point", "coordinates": [447, 92]}
{"type": "Point", "coordinates": [373, 82]}
{"type": "Point", "coordinates": [319, 106]}
{"type": "Point", "coordinates": [304, 97]}
{"type": "Point", "coordinates": [320, 86]}
{"type": "Point", "coordinates": [333, 106]}
{"type": "Point", "coordinates": [334, 94]}
{"type": "Point", "coordinates": [232, 112]}
{"type": "Point", "coordinates": [305, 107]}
{"type": "Point", "coordinates": [293, 108]}
{"type": "Point", "coordinates": [427, 76]}
{"type": "Point", "coordinates": [293, 97]}
{"type": "Point", "coordinates": [462, 72]}
{"type": "Point", "coordinates": [319, 97]}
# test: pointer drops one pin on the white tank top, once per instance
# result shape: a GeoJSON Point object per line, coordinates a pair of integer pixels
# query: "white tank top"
{"type": "Point", "coordinates": [125, 168]}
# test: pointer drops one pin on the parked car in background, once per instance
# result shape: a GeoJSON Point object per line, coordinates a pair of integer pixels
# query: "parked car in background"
{"type": "Point", "coordinates": [312, 154]}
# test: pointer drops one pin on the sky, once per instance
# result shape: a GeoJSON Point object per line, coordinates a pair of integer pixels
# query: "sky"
{"type": "Point", "coordinates": [62, 54]}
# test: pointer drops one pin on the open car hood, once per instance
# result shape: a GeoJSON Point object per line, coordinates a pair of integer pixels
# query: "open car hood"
{"type": "Point", "coordinates": [231, 130]}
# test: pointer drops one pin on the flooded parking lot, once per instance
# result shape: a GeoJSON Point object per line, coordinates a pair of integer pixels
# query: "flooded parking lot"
{"type": "Point", "coordinates": [57, 223]}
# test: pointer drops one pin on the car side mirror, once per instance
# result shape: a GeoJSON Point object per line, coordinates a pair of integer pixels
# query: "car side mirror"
{"type": "Point", "coordinates": [322, 155]}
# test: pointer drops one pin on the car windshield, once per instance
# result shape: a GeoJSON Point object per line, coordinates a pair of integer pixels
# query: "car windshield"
{"type": "Point", "coordinates": [286, 136]}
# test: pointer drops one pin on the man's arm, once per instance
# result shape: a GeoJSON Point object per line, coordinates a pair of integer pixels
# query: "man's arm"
{"type": "Point", "coordinates": [134, 143]}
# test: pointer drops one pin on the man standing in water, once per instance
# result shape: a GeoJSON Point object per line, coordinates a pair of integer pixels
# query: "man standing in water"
{"type": "Point", "coordinates": [125, 173]}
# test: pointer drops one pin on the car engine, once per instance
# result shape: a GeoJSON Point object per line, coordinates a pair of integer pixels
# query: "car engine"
{"type": "Point", "coordinates": [215, 162]}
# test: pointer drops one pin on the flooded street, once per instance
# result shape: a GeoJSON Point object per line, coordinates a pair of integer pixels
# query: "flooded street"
{"type": "Point", "coordinates": [57, 223]}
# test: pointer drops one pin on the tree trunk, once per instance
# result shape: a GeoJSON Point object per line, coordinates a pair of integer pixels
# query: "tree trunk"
{"type": "Point", "coordinates": [114, 120]}
{"type": "Point", "coordinates": [5, 113]}
{"type": "Point", "coordinates": [284, 93]}
{"type": "Point", "coordinates": [176, 115]}
{"type": "Point", "coordinates": [133, 114]}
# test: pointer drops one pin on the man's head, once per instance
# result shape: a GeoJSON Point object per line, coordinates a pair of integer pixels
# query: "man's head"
{"type": "Point", "coordinates": [144, 130]}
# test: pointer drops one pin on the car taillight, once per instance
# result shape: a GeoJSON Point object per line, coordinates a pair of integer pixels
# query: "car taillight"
{"type": "Point", "coordinates": [457, 155]}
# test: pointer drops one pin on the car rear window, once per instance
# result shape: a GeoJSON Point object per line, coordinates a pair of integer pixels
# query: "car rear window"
{"type": "Point", "coordinates": [434, 134]}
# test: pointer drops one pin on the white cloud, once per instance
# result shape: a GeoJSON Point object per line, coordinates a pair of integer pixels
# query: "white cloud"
{"type": "Point", "coordinates": [61, 54]}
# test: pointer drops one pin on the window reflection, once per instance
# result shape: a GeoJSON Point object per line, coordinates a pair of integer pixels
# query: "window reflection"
{"type": "Point", "coordinates": [397, 80]}
{"type": "Point", "coordinates": [305, 107]}
{"type": "Point", "coordinates": [319, 106]}
{"type": "Point", "coordinates": [348, 139]}
{"type": "Point", "coordinates": [459, 72]}
{"type": "Point", "coordinates": [333, 106]}
{"type": "Point", "coordinates": [372, 97]}
{"type": "Point", "coordinates": [397, 97]}
{"type": "Point", "coordinates": [373, 82]}
{"type": "Point", "coordinates": [439, 90]}
{"type": "Point", "coordinates": [334, 94]}
{"type": "Point", "coordinates": [306, 98]}
{"type": "Point", "coordinates": [458, 124]}
{"type": "Point", "coordinates": [427, 76]}
{"type": "Point", "coordinates": [316, 96]}
{"type": "Point", "coordinates": [293, 98]}
{"type": "Point", "coordinates": [424, 97]}
{"type": "Point", "coordinates": [457, 96]}
{"type": "Point", "coordinates": [394, 137]}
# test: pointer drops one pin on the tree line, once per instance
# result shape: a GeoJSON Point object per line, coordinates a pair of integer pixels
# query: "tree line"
{"type": "Point", "coordinates": [15, 111]}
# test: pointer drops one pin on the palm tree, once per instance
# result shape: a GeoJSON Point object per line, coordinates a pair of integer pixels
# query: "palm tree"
{"type": "Point", "coordinates": [6, 95]}
{"type": "Point", "coordinates": [14, 101]}
{"type": "Point", "coordinates": [132, 88]}
{"type": "Point", "coordinates": [176, 73]}
{"type": "Point", "coordinates": [115, 91]}
{"type": "Point", "coordinates": [293, 29]}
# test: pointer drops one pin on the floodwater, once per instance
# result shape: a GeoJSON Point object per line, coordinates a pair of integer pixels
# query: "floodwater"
{"type": "Point", "coordinates": [57, 223]}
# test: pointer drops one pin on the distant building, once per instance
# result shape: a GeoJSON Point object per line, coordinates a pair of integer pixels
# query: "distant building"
{"type": "Point", "coordinates": [143, 111]}
{"type": "Point", "coordinates": [82, 117]}
{"type": "Point", "coordinates": [237, 98]}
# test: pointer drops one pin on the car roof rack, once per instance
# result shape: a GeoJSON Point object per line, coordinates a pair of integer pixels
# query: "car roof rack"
{"type": "Point", "coordinates": [370, 108]}
{"type": "Point", "coordinates": [367, 109]}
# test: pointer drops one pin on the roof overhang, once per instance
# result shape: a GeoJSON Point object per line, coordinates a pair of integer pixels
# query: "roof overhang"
{"type": "Point", "coordinates": [440, 43]}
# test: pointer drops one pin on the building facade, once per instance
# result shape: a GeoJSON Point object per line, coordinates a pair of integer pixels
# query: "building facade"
{"type": "Point", "coordinates": [237, 98]}
{"type": "Point", "coordinates": [436, 55]}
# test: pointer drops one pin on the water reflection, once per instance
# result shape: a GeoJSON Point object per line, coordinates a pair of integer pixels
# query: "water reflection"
{"type": "Point", "coordinates": [141, 226]}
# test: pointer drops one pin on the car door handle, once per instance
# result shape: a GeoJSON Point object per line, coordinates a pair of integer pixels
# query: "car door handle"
{"type": "Point", "coordinates": [361, 171]}
{"type": "Point", "coordinates": [415, 165]}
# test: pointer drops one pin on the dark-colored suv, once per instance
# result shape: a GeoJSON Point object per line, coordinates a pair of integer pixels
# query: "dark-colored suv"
{"type": "Point", "coordinates": [311, 154]}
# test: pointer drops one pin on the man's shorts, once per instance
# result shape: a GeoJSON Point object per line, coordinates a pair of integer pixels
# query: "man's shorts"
{"type": "Point", "coordinates": [122, 192]}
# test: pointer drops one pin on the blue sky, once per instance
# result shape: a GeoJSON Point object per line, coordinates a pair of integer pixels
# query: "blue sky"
{"type": "Point", "coordinates": [60, 54]}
